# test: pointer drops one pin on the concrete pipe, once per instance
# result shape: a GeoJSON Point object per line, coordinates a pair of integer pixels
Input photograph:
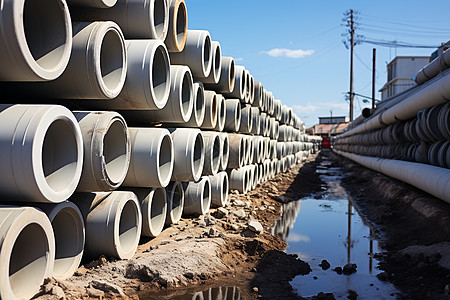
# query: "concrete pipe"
{"type": "Point", "coordinates": [153, 208]}
{"type": "Point", "coordinates": [139, 19]}
{"type": "Point", "coordinates": [252, 90]}
{"type": "Point", "coordinates": [152, 158]}
{"type": "Point", "coordinates": [246, 119]}
{"type": "Point", "coordinates": [189, 154]}
{"type": "Point", "coordinates": [257, 149]}
{"type": "Point", "coordinates": [274, 163]}
{"type": "Point", "coordinates": [246, 152]}
{"type": "Point", "coordinates": [41, 153]}
{"type": "Point", "coordinates": [232, 115]}
{"type": "Point", "coordinates": [175, 202]}
{"type": "Point", "coordinates": [260, 173]}
{"type": "Point", "coordinates": [219, 189]}
{"type": "Point", "coordinates": [224, 150]}
{"type": "Point", "coordinates": [27, 251]}
{"type": "Point", "coordinates": [197, 197]}
{"type": "Point", "coordinates": [98, 63]}
{"type": "Point", "coordinates": [266, 132]}
{"type": "Point", "coordinates": [211, 110]}
{"type": "Point", "coordinates": [256, 126]}
{"type": "Point", "coordinates": [238, 179]}
{"type": "Point", "coordinates": [197, 54]}
{"type": "Point", "coordinates": [212, 144]}
{"type": "Point", "coordinates": [258, 95]}
{"type": "Point", "coordinates": [221, 113]}
{"type": "Point", "coordinates": [69, 234]}
{"type": "Point", "coordinates": [225, 84]}
{"type": "Point", "coordinates": [247, 87]}
{"type": "Point", "coordinates": [107, 150]}
{"type": "Point", "coordinates": [240, 84]}
{"type": "Point", "coordinates": [176, 35]}
{"type": "Point", "coordinates": [35, 41]}
{"type": "Point", "coordinates": [272, 149]}
{"type": "Point", "coordinates": [266, 142]}
{"type": "Point", "coordinates": [147, 83]}
{"type": "Point", "coordinates": [277, 106]}
{"type": "Point", "coordinates": [92, 3]}
{"type": "Point", "coordinates": [198, 110]}
{"type": "Point", "coordinates": [254, 177]}
{"type": "Point", "coordinates": [113, 223]}
{"type": "Point", "coordinates": [216, 64]}
{"type": "Point", "coordinates": [283, 133]}
{"type": "Point", "coordinates": [274, 129]}
{"type": "Point", "coordinates": [237, 151]}
{"type": "Point", "coordinates": [263, 124]}
{"type": "Point", "coordinates": [179, 105]}
{"type": "Point", "coordinates": [250, 149]}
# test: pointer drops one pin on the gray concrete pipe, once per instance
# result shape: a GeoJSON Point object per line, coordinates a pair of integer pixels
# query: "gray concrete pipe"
{"type": "Point", "coordinates": [179, 105]}
{"type": "Point", "coordinates": [27, 251]}
{"type": "Point", "coordinates": [189, 154]}
{"type": "Point", "coordinates": [113, 223]}
{"type": "Point", "coordinates": [219, 189]}
{"type": "Point", "coordinates": [246, 119]}
{"type": "Point", "coordinates": [98, 63]}
{"type": "Point", "coordinates": [107, 150]}
{"type": "Point", "coordinates": [237, 151]}
{"type": "Point", "coordinates": [255, 180]}
{"type": "Point", "coordinates": [266, 142]}
{"type": "Point", "coordinates": [211, 110]}
{"type": "Point", "coordinates": [153, 208]}
{"type": "Point", "coordinates": [233, 115]}
{"type": "Point", "coordinates": [246, 152]}
{"type": "Point", "coordinates": [431, 179]}
{"type": "Point", "coordinates": [256, 126]}
{"type": "Point", "coordinates": [216, 64]}
{"type": "Point", "coordinates": [152, 158]}
{"type": "Point", "coordinates": [221, 113]}
{"type": "Point", "coordinates": [175, 202]}
{"type": "Point", "coordinates": [177, 31]}
{"type": "Point", "coordinates": [250, 149]}
{"type": "Point", "coordinates": [35, 41]}
{"type": "Point", "coordinates": [69, 234]}
{"type": "Point", "coordinates": [274, 129]}
{"type": "Point", "coordinates": [238, 179]}
{"type": "Point", "coordinates": [197, 54]}
{"type": "Point", "coordinates": [198, 110]}
{"type": "Point", "coordinates": [260, 173]}
{"type": "Point", "coordinates": [212, 144]}
{"type": "Point", "coordinates": [147, 82]}
{"type": "Point", "coordinates": [272, 149]}
{"type": "Point", "coordinates": [432, 69]}
{"type": "Point", "coordinates": [277, 105]}
{"type": "Point", "coordinates": [226, 81]}
{"type": "Point", "coordinates": [258, 95]}
{"type": "Point", "coordinates": [42, 153]}
{"type": "Point", "coordinates": [139, 19]}
{"type": "Point", "coordinates": [247, 94]}
{"type": "Point", "coordinates": [240, 84]}
{"type": "Point", "coordinates": [92, 3]}
{"type": "Point", "coordinates": [224, 150]}
{"type": "Point", "coordinates": [197, 197]}
{"type": "Point", "coordinates": [264, 124]}
{"type": "Point", "coordinates": [258, 148]}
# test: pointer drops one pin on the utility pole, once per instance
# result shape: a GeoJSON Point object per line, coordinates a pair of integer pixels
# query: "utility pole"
{"type": "Point", "coordinates": [352, 33]}
{"type": "Point", "coordinates": [374, 54]}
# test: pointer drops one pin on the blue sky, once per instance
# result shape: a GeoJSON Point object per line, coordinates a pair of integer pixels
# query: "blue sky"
{"type": "Point", "coordinates": [311, 72]}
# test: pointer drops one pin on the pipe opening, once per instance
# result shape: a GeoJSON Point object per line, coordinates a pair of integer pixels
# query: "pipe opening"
{"type": "Point", "coordinates": [186, 92]}
{"type": "Point", "coordinates": [158, 210]}
{"type": "Point", "coordinates": [115, 151]}
{"type": "Point", "coordinates": [68, 231]}
{"type": "Point", "coordinates": [231, 74]}
{"type": "Point", "coordinates": [215, 161]}
{"type": "Point", "coordinates": [177, 202]}
{"type": "Point", "coordinates": [217, 60]}
{"type": "Point", "coordinates": [224, 189]}
{"type": "Point", "coordinates": [111, 59]}
{"type": "Point", "coordinates": [207, 54]}
{"type": "Point", "coordinates": [128, 230]}
{"type": "Point", "coordinates": [241, 151]}
{"type": "Point", "coordinates": [45, 31]}
{"type": "Point", "coordinates": [59, 155]}
{"type": "Point", "coordinates": [197, 159]}
{"type": "Point", "coordinates": [206, 200]}
{"type": "Point", "coordinates": [225, 149]}
{"type": "Point", "coordinates": [165, 159]}
{"type": "Point", "coordinates": [214, 109]}
{"type": "Point", "coordinates": [222, 112]}
{"type": "Point", "coordinates": [159, 17]}
{"type": "Point", "coordinates": [181, 23]}
{"type": "Point", "coordinates": [199, 103]}
{"type": "Point", "coordinates": [237, 115]}
{"type": "Point", "coordinates": [28, 261]}
{"type": "Point", "coordinates": [160, 73]}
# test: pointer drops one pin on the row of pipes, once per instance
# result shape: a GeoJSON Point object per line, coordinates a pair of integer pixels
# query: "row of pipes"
{"type": "Point", "coordinates": [408, 137]}
{"type": "Point", "coordinates": [116, 121]}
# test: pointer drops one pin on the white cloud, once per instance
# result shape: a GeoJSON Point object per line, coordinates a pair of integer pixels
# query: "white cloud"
{"type": "Point", "coordinates": [239, 59]}
{"type": "Point", "coordinates": [310, 108]}
{"type": "Point", "coordinates": [295, 238]}
{"type": "Point", "coordinates": [291, 53]}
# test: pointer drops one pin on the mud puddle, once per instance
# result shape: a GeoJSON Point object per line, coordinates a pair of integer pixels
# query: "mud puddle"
{"type": "Point", "coordinates": [326, 226]}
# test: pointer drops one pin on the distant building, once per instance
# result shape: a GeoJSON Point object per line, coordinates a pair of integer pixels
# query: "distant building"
{"type": "Point", "coordinates": [329, 126]}
{"type": "Point", "coordinates": [400, 73]}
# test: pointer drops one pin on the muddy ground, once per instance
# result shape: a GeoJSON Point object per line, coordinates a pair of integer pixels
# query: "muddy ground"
{"type": "Point", "coordinates": [221, 248]}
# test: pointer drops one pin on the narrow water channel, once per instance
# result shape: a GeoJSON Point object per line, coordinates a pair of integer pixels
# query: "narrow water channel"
{"type": "Point", "coordinates": [327, 226]}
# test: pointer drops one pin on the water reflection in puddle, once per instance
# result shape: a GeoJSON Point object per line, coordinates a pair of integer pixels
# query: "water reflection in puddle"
{"type": "Point", "coordinates": [212, 293]}
{"type": "Point", "coordinates": [330, 228]}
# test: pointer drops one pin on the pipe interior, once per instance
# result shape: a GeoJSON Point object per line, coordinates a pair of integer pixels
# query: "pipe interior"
{"type": "Point", "coordinates": [241, 151]}
{"type": "Point", "coordinates": [68, 231]}
{"type": "Point", "coordinates": [238, 115]}
{"type": "Point", "coordinates": [158, 210]}
{"type": "Point", "coordinates": [217, 60]}
{"type": "Point", "coordinates": [177, 199]}
{"type": "Point", "coordinates": [180, 26]}
{"type": "Point", "coordinates": [28, 260]}
{"type": "Point", "coordinates": [45, 31]}
{"type": "Point", "coordinates": [199, 103]}
{"type": "Point", "coordinates": [197, 155]}
{"type": "Point", "coordinates": [207, 54]}
{"type": "Point", "coordinates": [225, 148]}
{"type": "Point", "coordinates": [206, 200]}
{"type": "Point", "coordinates": [59, 155]}
{"type": "Point", "coordinates": [111, 59]}
{"type": "Point", "coordinates": [115, 151]}
{"type": "Point", "coordinates": [160, 73]}
{"type": "Point", "coordinates": [186, 93]}
{"type": "Point", "coordinates": [222, 113]}
{"type": "Point", "coordinates": [214, 109]}
{"type": "Point", "coordinates": [224, 189]}
{"type": "Point", "coordinates": [165, 159]}
{"type": "Point", "coordinates": [159, 17]}
{"type": "Point", "coordinates": [231, 74]}
{"type": "Point", "coordinates": [128, 229]}
{"type": "Point", "coordinates": [215, 162]}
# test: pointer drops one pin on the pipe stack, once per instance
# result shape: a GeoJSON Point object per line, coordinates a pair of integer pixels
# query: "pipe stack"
{"type": "Point", "coordinates": [131, 121]}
